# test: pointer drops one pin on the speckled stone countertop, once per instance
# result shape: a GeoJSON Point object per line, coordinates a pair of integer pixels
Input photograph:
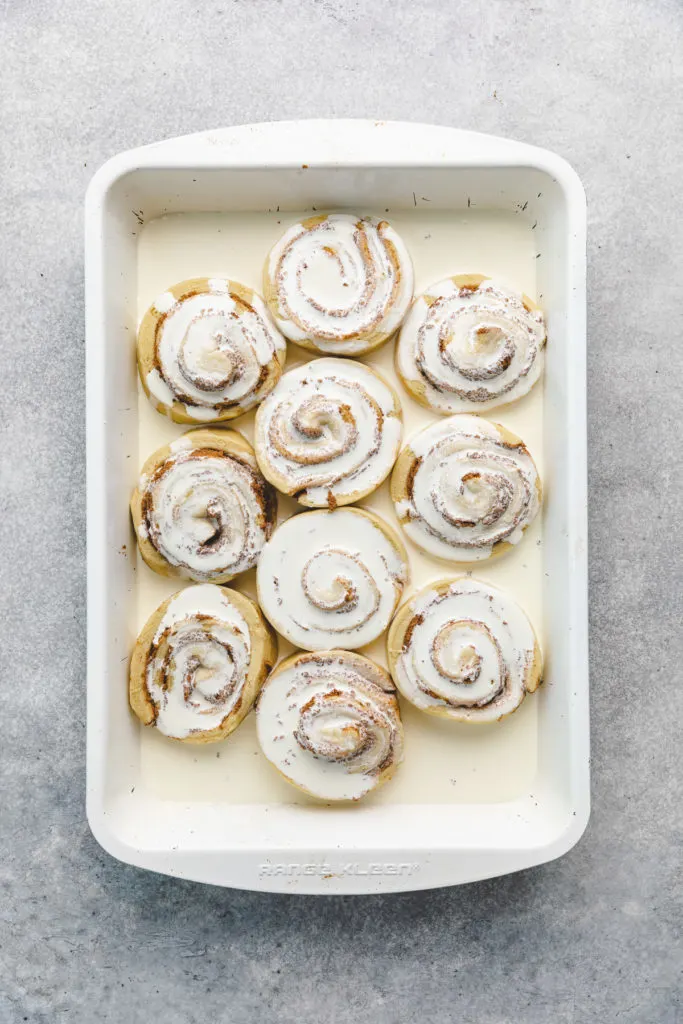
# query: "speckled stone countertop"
{"type": "Point", "coordinates": [593, 937]}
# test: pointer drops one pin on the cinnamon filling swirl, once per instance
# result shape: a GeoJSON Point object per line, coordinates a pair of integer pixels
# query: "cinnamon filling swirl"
{"type": "Point", "coordinates": [338, 283]}
{"type": "Point", "coordinates": [209, 350]}
{"type": "Point", "coordinates": [469, 343]}
{"type": "Point", "coordinates": [330, 723]}
{"type": "Point", "coordinates": [465, 486]}
{"type": "Point", "coordinates": [197, 666]}
{"type": "Point", "coordinates": [207, 512]}
{"type": "Point", "coordinates": [329, 433]}
{"type": "Point", "coordinates": [465, 650]}
{"type": "Point", "coordinates": [331, 578]}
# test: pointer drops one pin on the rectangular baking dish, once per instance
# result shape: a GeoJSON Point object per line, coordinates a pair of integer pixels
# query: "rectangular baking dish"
{"type": "Point", "coordinates": [275, 844]}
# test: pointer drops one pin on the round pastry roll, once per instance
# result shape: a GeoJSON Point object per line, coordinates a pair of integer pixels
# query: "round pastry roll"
{"type": "Point", "coordinates": [329, 579]}
{"type": "Point", "coordinates": [201, 510]}
{"type": "Point", "coordinates": [469, 344]}
{"type": "Point", "coordinates": [465, 489]}
{"type": "Point", "coordinates": [329, 433]}
{"type": "Point", "coordinates": [464, 650]}
{"type": "Point", "coordinates": [330, 723]}
{"type": "Point", "coordinates": [339, 284]}
{"type": "Point", "coordinates": [199, 663]}
{"type": "Point", "coordinates": [208, 350]}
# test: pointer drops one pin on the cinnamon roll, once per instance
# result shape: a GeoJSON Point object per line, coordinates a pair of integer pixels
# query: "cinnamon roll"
{"type": "Point", "coordinates": [329, 433]}
{"type": "Point", "coordinates": [469, 343]}
{"type": "Point", "coordinates": [208, 350]}
{"type": "Point", "coordinates": [201, 510]}
{"type": "Point", "coordinates": [330, 723]}
{"type": "Point", "coordinates": [328, 579]}
{"type": "Point", "coordinates": [464, 650]}
{"type": "Point", "coordinates": [339, 284]}
{"type": "Point", "coordinates": [199, 663]}
{"type": "Point", "coordinates": [465, 489]}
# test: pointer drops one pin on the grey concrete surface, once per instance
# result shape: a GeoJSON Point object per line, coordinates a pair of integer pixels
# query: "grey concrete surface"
{"type": "Point", "coordinates": [594, 937]}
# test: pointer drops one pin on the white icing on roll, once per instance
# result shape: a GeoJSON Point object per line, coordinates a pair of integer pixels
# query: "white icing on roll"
{"type": "Point", "coordinates": [340, 284]}
{"type": "Point", "coordinates": [208, 513]}
{"type": "Point", "coordinates": [164, 303]}
{"type": "Point", "coordinates": [198, 662]}
{"type": "Point", "coordinates": [331, 579]}
{"type": "Point", "coordinates": [217, 352]}
{"type": "Point", "coordinates": [464, 650]}
{"type": "Point", "coordinates": [330, 723]}
{"type": "Point", "coordinates": [463, 486]}
{"type": "Point", "coordinates": [159, 389]}
{"type": "Point", "coordinates": [329, 433]}
{"type": "Point", "coordinates": [467, 346]}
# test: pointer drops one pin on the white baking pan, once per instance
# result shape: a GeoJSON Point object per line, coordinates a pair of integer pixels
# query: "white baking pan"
{"type": "Point", "coordinates": [468, 803]}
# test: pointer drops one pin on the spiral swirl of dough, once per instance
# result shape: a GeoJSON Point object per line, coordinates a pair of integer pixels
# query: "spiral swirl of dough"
{"type": "Point", "coordinates": [202, 510]}
{"type": "Point", "coordinates": [330, 723]}
{"type": "Point", "coordinates": [208, 350]}
{"type": "Point", "coordinates": [329, 579]}
{"type": "Point", "coordinates": [464, 650]}
{"type": "Point", "coordinates": [199, 662]}
{"type": "Point", "coordinates": [465, 489]}
{"type": "Point", "coordinates": [339, 284]}
{"type": "Point", "coordinates": [469, 344]}
{"type": "Point", "coordinates": [329, 433]}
